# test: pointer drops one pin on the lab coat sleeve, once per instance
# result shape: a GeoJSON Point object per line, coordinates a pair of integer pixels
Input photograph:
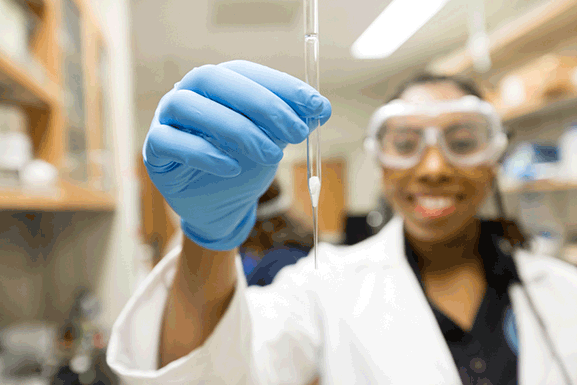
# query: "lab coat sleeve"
{"type": "Point", "coordinates": [268, 335]}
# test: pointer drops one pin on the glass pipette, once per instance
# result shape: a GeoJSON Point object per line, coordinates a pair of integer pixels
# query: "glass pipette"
{"type": "Point", "coordinates": [313, 140]}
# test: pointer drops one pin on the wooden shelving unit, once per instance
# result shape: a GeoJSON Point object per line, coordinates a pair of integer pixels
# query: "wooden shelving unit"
{"type": "Point", "coordinates": [532, 48]}
{"type": "Point", "coordinates": [539, 109]}
{"type": "Point", "coordinates": [24, 88]}
{"type": "Point", "coordinates": [520, 41]}
{"type": "Point", "coordinates": [542, 186]}
{"type": "Point", "coordinates": [66, 197]}
{"type": "Point", "coordinates": [60, 89]}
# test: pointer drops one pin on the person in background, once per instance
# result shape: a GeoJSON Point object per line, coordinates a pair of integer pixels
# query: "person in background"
{"type": "Point", "coordinates": [278, 238]}
{"type": "Point", "coordinates": [438, 296]}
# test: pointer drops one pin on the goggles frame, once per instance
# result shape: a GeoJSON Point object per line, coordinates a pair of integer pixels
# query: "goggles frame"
{"type": "Point", "coordinates": [432, 136]}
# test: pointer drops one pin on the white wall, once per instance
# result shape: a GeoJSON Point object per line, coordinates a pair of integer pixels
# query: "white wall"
{"type": "Point", "coordinates": [116, 281]}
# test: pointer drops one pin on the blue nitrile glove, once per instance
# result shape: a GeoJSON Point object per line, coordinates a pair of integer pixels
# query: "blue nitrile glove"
{"type": "Point", "coordinates": [216, 140]}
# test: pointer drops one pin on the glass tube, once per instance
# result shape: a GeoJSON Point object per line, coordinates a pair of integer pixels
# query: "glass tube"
{"type": "Point", "coordinates": [313, 140]}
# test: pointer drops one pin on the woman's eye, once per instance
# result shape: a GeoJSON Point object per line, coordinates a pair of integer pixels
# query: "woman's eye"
{"type": "Point", "coordinates": [401, 142]}
{"type": "Point", "coordinates": [463, 138]}
{"type": "Point", "coordinates": [463, 146]}
{"type": "Point", "coordinates": [405, 146]}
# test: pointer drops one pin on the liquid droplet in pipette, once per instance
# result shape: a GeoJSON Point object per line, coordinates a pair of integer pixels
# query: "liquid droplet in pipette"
{"type": "Point", "coordinates": [315, 189]}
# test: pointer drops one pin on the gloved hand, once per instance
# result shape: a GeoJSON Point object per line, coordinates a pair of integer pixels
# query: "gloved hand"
{"type": "Point", "coordinates": [216, 140]}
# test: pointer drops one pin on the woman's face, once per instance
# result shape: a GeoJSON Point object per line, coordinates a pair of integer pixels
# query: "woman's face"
{"type": "Point", "coordinates": [435, 198]}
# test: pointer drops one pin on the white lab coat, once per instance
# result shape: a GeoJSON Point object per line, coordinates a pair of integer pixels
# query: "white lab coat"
{"type": "Point", "coordinates": [361, 318]}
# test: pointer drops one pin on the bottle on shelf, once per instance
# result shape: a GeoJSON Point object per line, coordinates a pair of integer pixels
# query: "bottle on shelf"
{"type": "Point", "coordinates": [569, 252]}
{"type": "Point", "coordinates": [16, 27]}
{"type": "Point", "coordinates": [568, 154]}
{"type": "Point", "coordinates": [15, 145]}
{"type": "Point", "coordinates": [542, 217]}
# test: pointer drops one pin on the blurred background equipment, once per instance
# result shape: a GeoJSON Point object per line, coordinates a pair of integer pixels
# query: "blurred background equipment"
{"type": "Point", "coordinates": [48, 353]}
{"type": "Point", "coordinates": [360, 227]}
{"type": "Point", "coordinates": [15, 144]}
{"type": "Point", "coordinates": [569, 252]}
{"type": "Point", "coordinates": [568, 154]}
{"type": "Point", "coordinates": [478, 43]}
{"type": "Point", "coordinates": [17, 25]}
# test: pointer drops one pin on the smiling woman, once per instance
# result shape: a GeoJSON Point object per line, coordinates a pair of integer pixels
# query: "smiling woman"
{"type": "Point", "coordinates": [439, 148]}
{"type": "Point", "coordinates": [438, 143]}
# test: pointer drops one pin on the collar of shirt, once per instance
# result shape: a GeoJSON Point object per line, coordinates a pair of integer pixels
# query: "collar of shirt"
{"type": "Point", "coordinates": [500, 272]}
{"type": "Point", "coordinates": [495, 250]}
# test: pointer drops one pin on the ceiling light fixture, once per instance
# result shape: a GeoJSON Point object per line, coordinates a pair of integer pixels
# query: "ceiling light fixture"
{"type": "Point", "coordinates": [394, 26]}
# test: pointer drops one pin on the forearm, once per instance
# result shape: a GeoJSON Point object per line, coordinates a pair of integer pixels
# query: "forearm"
{"type": "Point", "coordinates": [202, 289]}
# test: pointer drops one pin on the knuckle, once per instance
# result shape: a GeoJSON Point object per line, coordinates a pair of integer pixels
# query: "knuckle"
{"type": "Point", "coordinates": [169, 109]}
{"type": "Point", "coordinates": [164, 107]}
{"type": "Point", "coordinates": [155, 136]}
{"type": "Point", "coordinates": [235, 64]}
{"type": "Point", "coordinates": [198, 78]}
{"type": "Point", "coordinates": [165, 97]}
{"type": "Point", "coordinates": [154, 149]}
{"type": "Point", "coordinates": [175, 108]}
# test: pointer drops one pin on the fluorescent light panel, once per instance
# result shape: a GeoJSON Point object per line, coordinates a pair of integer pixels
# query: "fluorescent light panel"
{"type": "Point", "coordinates": [394, 26]}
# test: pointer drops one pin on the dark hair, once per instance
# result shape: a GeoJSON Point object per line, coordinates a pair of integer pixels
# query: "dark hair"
{"type": "Point", "coordinates": [468, 86]}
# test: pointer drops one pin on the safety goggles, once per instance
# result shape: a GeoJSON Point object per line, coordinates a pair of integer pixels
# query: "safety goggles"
{"type": "Point", "coordinates": [468, 132]}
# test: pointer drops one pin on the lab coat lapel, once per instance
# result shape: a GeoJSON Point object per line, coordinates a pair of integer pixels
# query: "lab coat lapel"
{"type": "Point", "coordinates": [536, 363]}
{"type": "Point", "coordinates": [423, 339]}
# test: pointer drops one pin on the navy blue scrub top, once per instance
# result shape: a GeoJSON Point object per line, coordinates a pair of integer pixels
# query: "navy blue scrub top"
{"type": "Point", "coordinates": [262, 272]}
{"type": "Point", "coordinates": [487, 354]}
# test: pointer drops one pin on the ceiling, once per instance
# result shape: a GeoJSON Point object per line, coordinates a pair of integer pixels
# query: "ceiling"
{"type": "Point", "coordinates": [171, 37]}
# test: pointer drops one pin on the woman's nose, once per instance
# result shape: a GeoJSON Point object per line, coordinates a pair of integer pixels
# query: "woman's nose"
{"type": "Point", "coordinates": [433, 168]}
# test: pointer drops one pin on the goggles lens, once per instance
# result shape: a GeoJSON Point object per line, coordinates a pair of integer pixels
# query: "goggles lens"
{"type": "Point", "coordinates": [461, 134]}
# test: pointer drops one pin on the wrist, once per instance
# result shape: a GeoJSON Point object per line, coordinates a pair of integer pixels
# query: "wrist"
{"type": "Point", "coordinates": [226, 241]}
{"type": "Point", "coordinates": [202, 290]}
{"type": "Point", "coordinates": [205, 275]}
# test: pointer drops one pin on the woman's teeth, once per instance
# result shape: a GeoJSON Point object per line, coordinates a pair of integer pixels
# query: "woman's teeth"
{"type": "Point", "coordinates": [435, 203]}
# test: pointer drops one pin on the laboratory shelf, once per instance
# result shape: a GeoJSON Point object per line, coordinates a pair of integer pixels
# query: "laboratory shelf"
{"type": "Point", "coordinates": [65, 197]}
{"type": "Point", "coordinates": [518, 41]}
{"type": "Point", "coordinates": [26, 83]}
{"type": "Point", "coordinates": [53, 97]}
{"type": "Point", "coordinates": [542, 186]}
{"type": "Point", "coordinates": [528, 111]}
